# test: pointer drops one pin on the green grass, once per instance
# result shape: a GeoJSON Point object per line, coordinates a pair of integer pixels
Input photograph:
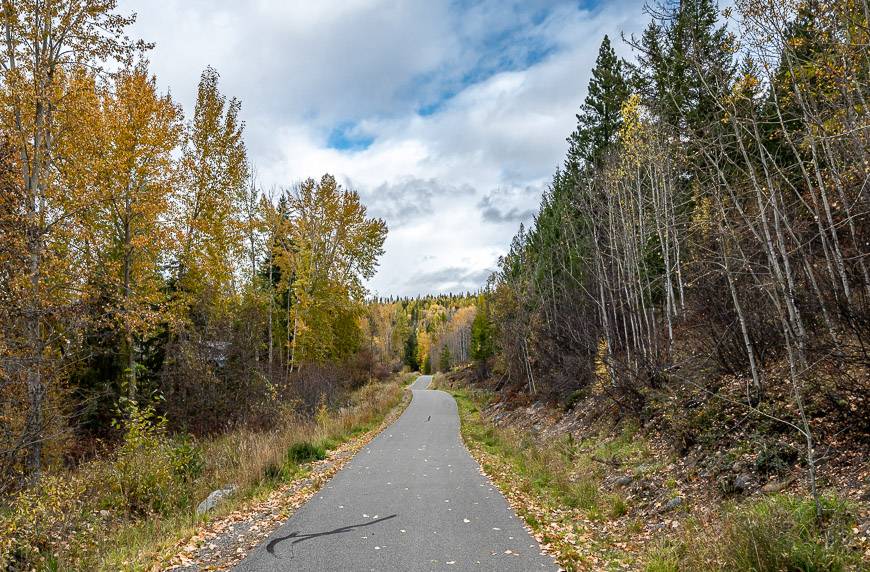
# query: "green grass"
{"type": "Point", "coordinates": [560, 480]}
{"type": "Point", "coordinates": [555, 472]}
{"type": "Point", "coordinates": [618, 506]}
{"type": "Point", "coordinates": [773, 534]}
{"type": "Point", "coordinates": [305, 452]}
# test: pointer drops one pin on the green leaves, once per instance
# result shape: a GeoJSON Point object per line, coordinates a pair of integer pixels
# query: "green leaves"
{"type": "Point", "coordinates": [329, 246]}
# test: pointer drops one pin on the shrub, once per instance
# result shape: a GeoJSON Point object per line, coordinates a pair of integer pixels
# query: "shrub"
{"type": "Point", "coordinates": [304, 452]}
{"type": "Point", "coordinates": [574, 398]}
{"type": "Point", "coordinates": [38, 518]}
{"type": "Point", "coordinates": [144, 475]}
{"type": "Point", "coordinates": [188, 460]}
{"type": "Point", "coordinates": [775, 458]}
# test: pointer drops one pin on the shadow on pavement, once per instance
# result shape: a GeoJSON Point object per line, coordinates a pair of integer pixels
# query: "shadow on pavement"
{"type": "Point", "coordinates": [270, 548]}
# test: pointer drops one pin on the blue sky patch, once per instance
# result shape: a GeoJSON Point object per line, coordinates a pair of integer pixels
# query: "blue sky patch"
{"type": "Point", "coordinates": [515, 46]}
{"type": "Point", "coordinates": [347, 137]}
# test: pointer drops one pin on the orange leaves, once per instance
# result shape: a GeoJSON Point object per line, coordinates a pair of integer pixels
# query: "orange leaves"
{"type": "Point", "coordinates": [118, 154]}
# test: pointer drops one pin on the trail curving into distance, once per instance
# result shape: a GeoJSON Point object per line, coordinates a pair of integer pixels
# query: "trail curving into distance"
{"type": "Point", "coordinates": [413, 499]}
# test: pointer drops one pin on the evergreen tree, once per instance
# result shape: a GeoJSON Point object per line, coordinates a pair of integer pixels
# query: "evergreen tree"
{"type": "Point", "coordinates": [708, 61]}
{"type": "Point", "coordinates": [411, 351]}
{"type": "Point", "coordinates": [444, 360]}
{"type": "Point", "coordinates": [481, 337]}
{"type": "Point", "coordinates": [687, 64]}
{"type": "Point", "coordinates": [600, 117]}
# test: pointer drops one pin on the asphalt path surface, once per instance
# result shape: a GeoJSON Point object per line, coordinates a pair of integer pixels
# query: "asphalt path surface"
{"type": "Point", "coordinates": [413, 499]}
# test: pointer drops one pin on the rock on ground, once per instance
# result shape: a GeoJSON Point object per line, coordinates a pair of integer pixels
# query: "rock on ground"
{"type": "Point", "coordinates": [215, 498]}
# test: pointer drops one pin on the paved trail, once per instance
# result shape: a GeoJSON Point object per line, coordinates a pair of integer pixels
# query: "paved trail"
{"type": "Point", "coordinates": [413, 499]}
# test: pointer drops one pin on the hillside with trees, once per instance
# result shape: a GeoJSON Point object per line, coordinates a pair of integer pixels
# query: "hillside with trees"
{"type": "Point", "coordinates": [427, 334]}
{"type": "Point", "coordinates": [707, 230]}
{"type": "Point", "coordinates": [698, 265]}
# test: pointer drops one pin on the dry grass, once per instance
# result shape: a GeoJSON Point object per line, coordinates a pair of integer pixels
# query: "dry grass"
{"type": "Point", "coordinates": [87, 519]}
{"type": "Point", "coordinates": [248, 458]}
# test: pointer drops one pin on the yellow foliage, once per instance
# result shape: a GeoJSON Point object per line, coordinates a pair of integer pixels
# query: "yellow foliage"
{"type": "Point", "coordinates": [39, 518]}
{"type": "Point", "coordinates": [602, 373]}
{"type": "Point", "coordinates": [633, 131]}
{"type": "Point", "coordinates": [120, 146]}
{"type": "Point", "coordinates": [207, 217]}
{"type": "Point", "coordinates": [702, 221]}
{"type": "Point", "coordinates": [424, 345]}
{"type": "Point", "coordinates": [329, 246]}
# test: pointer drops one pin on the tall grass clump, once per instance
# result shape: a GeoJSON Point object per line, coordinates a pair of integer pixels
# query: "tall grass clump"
{"type": "Point", "coordinates": [774, 534]}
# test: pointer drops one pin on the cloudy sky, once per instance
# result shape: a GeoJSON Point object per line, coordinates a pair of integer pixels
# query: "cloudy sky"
{"type": "Point", "coordinates": [449, 117]}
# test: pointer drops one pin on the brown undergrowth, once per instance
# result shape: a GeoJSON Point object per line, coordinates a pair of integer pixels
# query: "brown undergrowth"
{"type": "Point", "coordinates": [131, 509]}
{"type": "Point", "coordinates": [605, 495]}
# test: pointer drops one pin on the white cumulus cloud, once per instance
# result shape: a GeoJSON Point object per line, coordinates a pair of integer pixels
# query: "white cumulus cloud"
{"type": "Point", "coordinates": [448, 117]}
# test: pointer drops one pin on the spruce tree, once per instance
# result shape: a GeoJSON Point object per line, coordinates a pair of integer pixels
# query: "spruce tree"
{"type": "Point", "coordinates": [687, 65]}
{"type": "Point", "coordinates": [600, 117]}
{"type": "Point", "coordinates": [481, 338]}
{"type": "Point", "coordinates": [708, 64]}
{"type": "Point", "coordinates": [411, 351]}
{"type": "Point", "coordinates": [445, 359]}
